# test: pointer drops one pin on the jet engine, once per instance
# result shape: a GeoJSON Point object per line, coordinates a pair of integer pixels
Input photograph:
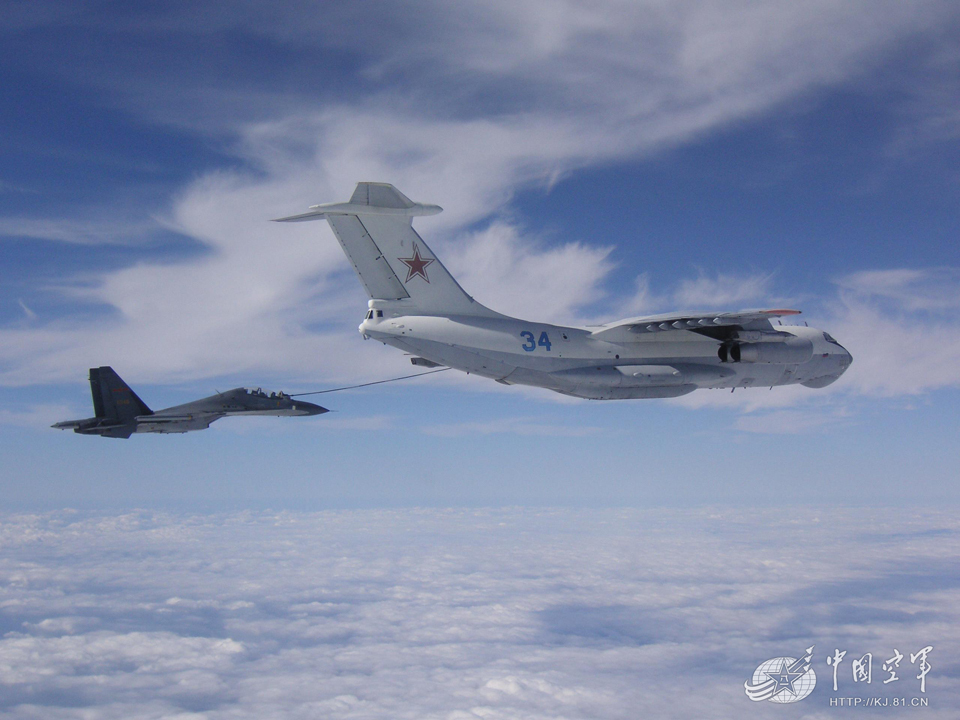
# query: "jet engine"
{"type": "Point", "coordinates": [790, 351]}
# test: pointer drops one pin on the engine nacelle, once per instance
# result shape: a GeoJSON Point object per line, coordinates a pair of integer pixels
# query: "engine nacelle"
{"type": "Point", "coordinates": [790, 351]}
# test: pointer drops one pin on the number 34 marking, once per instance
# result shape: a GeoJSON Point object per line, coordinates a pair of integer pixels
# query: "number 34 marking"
{"type": "Point", "coordinates": [530, 345]}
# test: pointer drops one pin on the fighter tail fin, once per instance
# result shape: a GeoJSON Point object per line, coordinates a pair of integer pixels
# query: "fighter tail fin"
{"type": "Point", "coordinates": [375, 230]}
{"type": "Point", "coordinates": [112, 397]}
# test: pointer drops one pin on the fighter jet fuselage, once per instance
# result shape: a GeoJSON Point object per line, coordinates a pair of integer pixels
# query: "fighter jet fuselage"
{"type": "Point", "coordinates": [416, 306]}
{"type": "Point", "coordinates": [120, 412]}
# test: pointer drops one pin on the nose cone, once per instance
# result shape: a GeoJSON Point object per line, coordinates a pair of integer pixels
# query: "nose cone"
{"type": "Point", "coordinates": [305, 408]}
{"type": "Point", "coordinates": [846, 359]}
{"type": "Point", "coordinates": [835, 364]}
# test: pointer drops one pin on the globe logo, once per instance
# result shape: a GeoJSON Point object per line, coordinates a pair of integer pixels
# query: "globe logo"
{"type": "Point", "coordinates": [782, 679]}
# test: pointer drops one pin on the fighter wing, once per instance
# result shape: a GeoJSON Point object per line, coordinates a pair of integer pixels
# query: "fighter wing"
{"type": "Point", "coordinates": [703, 322]}
{"type": "Point", "coordinates": [176, 423]}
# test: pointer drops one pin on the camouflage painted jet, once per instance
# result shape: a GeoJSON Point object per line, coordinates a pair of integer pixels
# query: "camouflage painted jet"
{"type": "Point", "coordinates": [416, 305]}
{"type": "Point", "coordinates": [120, 413]}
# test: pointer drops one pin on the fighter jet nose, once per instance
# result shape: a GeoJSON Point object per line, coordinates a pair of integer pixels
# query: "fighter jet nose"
{"type": "Point", "coordinates": [306, 408]}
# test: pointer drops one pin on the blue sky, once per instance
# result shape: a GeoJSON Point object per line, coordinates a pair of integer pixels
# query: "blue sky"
{"type": "Point", "coordinates": [592, 164]}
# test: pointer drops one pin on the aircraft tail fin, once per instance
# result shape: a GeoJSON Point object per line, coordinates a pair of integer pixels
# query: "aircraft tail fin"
{"type": "Point", "coordinates": [112, 397]}
{"type": "Point", "coordinates": [375, 230]}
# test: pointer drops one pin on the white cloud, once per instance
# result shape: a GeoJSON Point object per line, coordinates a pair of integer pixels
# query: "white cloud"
{"type": "Point", "coordinates": [643, 301]}
{"type": "Point", "coordinates": [27, 312]}
{"type": "Point", "coordinates": [787, 422]}
{"type": "Point", "coordinates": [579, 88]}
{"type": "Point", "coordinates": [753, 399]}
{"type": "Point", "coordinates": [902, 329]}
{"type": "Point", "coordinates": [910, 290]}
{"type": "Point", "coordinates": [441, 614]}
{"type": "Point", "coordinates": [656, 67]}
{"type": "Point", "coordinates": [80, 231]}
{"type": "Point", "coordinates": [518, 277]}
{"type": "Point", "coordinates": [702, 293]}
{"type": "Point", "coordinates": [369, 422]}
{"type": "Point", "coordinates": [37, 416]}
{"type": "Point", "coordinates": [511, 426]}
{"type": "Point", "coordinates": [722, 291]}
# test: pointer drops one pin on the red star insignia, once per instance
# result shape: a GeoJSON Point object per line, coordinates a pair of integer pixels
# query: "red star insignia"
{"type": "Point", "coordinates": [416, 265]}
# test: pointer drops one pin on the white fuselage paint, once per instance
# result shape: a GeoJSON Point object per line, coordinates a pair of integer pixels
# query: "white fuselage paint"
{"type": "Point", "coordinates": [416, 305]}
{"type": "Point", "coordinates": [664, 364]}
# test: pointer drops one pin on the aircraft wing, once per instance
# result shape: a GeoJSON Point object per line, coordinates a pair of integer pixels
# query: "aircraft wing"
{"type": "Point", "coordinates": [176, 423]}
{"type": "Point", "coordinates": [743, 319]}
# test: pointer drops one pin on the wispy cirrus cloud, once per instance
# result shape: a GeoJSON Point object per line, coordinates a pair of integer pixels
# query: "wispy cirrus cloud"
{"type": "Point", "coordinates": [706, 292]}
{"type": "Point", "coordinates": [908, 290]}
{"type": "Point", "coordinates": [107, 231]}
{"type": "Point", "coordinates": [676, 67]}
{"type": "Point", "coordinates": [722, 290]}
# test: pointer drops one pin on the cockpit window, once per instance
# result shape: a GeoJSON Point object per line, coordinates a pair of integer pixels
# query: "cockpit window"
{"type": "Point", "coordinates": [829, 338]}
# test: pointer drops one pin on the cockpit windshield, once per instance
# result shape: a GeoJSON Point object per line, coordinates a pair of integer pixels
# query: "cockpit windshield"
{"type": "Point", "coordinates": [259, 392]}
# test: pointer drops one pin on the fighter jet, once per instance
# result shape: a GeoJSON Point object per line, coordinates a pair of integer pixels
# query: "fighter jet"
{"type": "Point", "coordinates": [120, 412]}
{"type": "Point", "coordinates": [416, 306]}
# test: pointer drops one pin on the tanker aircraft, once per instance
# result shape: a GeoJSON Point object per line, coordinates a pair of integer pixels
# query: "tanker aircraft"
{"type": "Point", "coordinates": [416, 306]}
{"type": "Point", "coordinates": [120, 412]}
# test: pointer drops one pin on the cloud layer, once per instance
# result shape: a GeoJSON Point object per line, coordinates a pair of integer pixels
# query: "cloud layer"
{"type": "Point", "coordinates": [462, 614]}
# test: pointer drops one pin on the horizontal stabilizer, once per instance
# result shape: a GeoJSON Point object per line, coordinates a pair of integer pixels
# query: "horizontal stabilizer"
{"type": "Point", "coordinates": [369, 199]}
{"type": "Point", "coordinates": [394, 264]}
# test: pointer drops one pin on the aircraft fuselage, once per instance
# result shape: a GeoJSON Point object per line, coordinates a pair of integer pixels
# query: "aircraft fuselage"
{"type": "Point", "coordinates": [120, 413]}
{"type": "Point", "coordinates": [571, 360]}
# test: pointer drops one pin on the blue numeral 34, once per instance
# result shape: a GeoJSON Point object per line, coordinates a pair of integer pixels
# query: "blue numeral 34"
{"type": "Point", "coordinates": [530, 345]}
